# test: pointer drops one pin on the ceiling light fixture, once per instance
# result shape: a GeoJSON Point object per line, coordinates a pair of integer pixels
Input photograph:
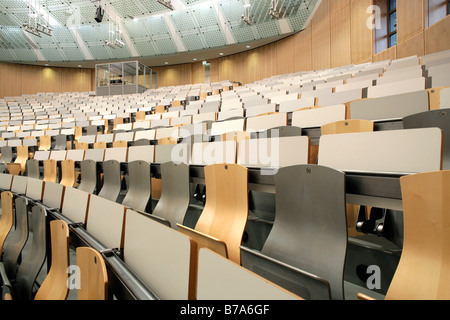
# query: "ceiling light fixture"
{"type": "Point", "coordinates": [119, 43]}
{"type": "Point", "coordinates": [37, 19]}
{"type": "Point", "coordinates": [166, 3]}
{"type": "Point", "coordinates": [274, 12]}
{"type": "Point", "coordinates": [110, 44]}
{"type": "Point", "coordinates": [246, 15]}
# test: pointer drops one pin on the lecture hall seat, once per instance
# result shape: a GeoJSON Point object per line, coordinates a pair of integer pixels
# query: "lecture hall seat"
{"type": "Point", "coordinates": [306, 248]}
{"type": "Point", "coordinates": [33, 261]}
{"type": "Point", "coordinates": [138, 195]}
{"type": "Point", "coordinates": [349, 126]}
{"type": "Point", "coordinates": [16, 240]}
{"type": "Point", "coordinates": [33, 168]}
{"type": "Point", "coordinates": [54, 287]}
{"type": "Point", "coordinates": [19, 164]}
{"type": "Point", "coordinates": [89, 176]}
{"type": "Point", "coordinates": [7, 218]}
{"type": "Point", "coordinates": [112, 182]}
{"type": "Point", "coordinates": [68, 175]}
{"type": "Point", "coordinates": [175, 195]}
{"type": "Point", "coordinates": [224, 217]}
{"type": "Point", "coordinates": [45, 143]}
{"type": "Point", "coordinates": [422, 270]}
{"type": "Point", "coordinates": [50, 170]}
{"type": "Point", "coordinates": [93, 275]}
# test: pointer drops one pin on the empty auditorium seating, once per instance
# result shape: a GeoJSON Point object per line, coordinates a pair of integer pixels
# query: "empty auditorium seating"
{"type": "Point", "coordinates": [254, 147]}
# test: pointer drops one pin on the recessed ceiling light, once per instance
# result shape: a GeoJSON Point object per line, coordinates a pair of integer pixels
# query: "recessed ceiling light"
{"type": "Point", "coordinates": [221, 53]}
{"type": "Point", "coordinates": [248, 47]}
{"type": "Point", "coordinates": [195, 59]}
{"type": "Point", "coordinates": [166, 62]}
{"type": "Point", "coordinates": [79, 66]}
{"type": "Point", "coordinates": [46, 64]}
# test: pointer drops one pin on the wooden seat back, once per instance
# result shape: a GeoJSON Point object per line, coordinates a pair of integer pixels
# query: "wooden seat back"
{"type": "Point", "coordinates": [225, 214]}
{"type": "Point", "coordinates": [50, 170]}
{"type": "Point", "coordinates": [93, 275]}
{"type": "Point", "coordinates": [68, 176]}
{"type": "Point", "coordinates": [421, 274]}
{"type": "Point", "coordinates": [7, 218]}
{"type": "Point", "coordinates": [55, 286]}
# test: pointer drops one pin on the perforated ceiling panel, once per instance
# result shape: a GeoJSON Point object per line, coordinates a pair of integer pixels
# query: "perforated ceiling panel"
{"type": "Point", "coordinates": [146, 27]}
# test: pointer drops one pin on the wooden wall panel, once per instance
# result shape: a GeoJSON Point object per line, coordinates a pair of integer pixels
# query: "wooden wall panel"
{"type": "Point", "coordinates": [321, 45]}
{"type": "Point", "coordinates": [71, 80]}
{"type": "Point", "coordinates": [338, 5]}
{"type": "Point", "coordinates": [270, 63]}
{"type": "Point", "coordinates": [31, 79]}
{"type": "Point", "coordinates": [390, 53]}
{"type": "Point", "coordinates": [361, 36]}
{"type": "Point", "coordinates": [322, 12]}
{"type": "Point", "coordinates": [303, 50]}
{"type": "Point", "coordinates": [198, 72]}
{"type": "Point", "coordinates": [252, 66]}
{"type": "Point", "coordinates": [410, 18]}
{"type": "Point", "coordinates": [414, 45]}
{"type": "Point", "coordinates": [437, 37]}
{"type": "Point", "coordinates": [214, 71]}
{"type": "Point", "coordinates": [340, 38]}
{"type": "Point", "coordinates": [10, 80]}
{"type": "Point", "coordinates": [51, 79]}
{"type": "Point", "coordinates": [284, 56]}
{"type": "Point", "coordinates": [85, 75]}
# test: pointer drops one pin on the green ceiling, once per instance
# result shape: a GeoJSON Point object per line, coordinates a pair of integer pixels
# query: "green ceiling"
{"type": "Point", "coordinates": [148, 28]}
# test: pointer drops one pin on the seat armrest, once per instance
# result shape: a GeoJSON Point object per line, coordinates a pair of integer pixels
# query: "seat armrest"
{"type": "Point", "coordinates": [156, 218]}
{"type": "Point", "coordinates": [205, 241]}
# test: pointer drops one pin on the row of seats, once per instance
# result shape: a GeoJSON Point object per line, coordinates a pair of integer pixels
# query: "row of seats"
{"type": "Point", "coordinates": [380, 108]}
{"type": "Point", "coordinates": [182, 271]}
{"type": "Point", "coordinates": [175, 251]}
{"type": "Point", "coordinates": [402, 75]}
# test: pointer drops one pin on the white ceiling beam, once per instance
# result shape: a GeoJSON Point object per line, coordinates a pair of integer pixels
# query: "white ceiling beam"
{"type": "Point", "coordinates": [174, 34]}
{"type": "Point", "coordinates": [223, 24]}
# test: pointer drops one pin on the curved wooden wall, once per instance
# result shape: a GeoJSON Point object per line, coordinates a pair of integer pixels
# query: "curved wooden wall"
{"type": "Point", "coordinates": [336, 36]}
